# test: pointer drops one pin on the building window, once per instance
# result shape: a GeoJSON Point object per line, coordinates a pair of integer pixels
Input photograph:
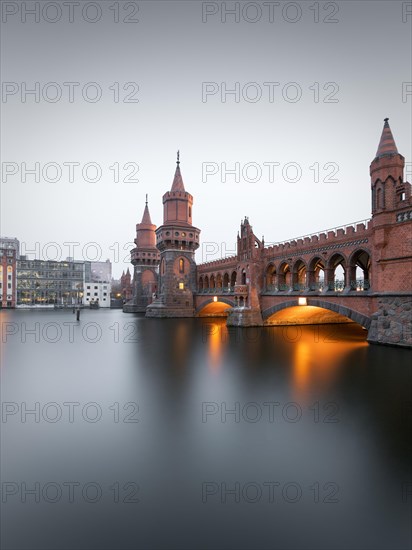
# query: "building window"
{"type": "Point", "coordinates": [104, 293]}
{"type": "Point", "coordinates": [88, 294]}
{"type": "Point", "coordinates": [181, 286]}
{"type": "Point", "coordinates": [403, 196]}
{"type": "Point", "coordinates": [95, 293]}
{"type": "Point", "coordinates": [181, 265]}
{"type": "Point", "coordinates": [8, 285]}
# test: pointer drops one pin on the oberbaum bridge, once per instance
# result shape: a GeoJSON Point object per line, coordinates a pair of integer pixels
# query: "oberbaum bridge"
{"type": "Point", "coordinates": [357, 273]}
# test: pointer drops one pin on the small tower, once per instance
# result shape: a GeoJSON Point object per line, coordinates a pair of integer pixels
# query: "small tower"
{"type": "Point", "coordinates": [177, 241]}
{"type": "Point", "coordinates": [391, 217]}
{"type": "Point", "coordinates": [248, 285]}
{"type": "Point", "coordinates": [389, 192]}
{"type": "Point", "coordinates": [145, 259]}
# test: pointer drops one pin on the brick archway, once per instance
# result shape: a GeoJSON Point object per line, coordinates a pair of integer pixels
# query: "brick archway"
{"type": "Point", "coordinates": [359, 318]}
{"type": "Point", "coordinates": [230, 303]}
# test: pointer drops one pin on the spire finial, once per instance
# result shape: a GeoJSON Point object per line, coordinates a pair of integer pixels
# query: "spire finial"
{"type": "Point", "coordinates": [387, 145]}
{"type": "Point", "coordinates": [146, 199]}
{"type": "Point", "coordinates": [178, 157]}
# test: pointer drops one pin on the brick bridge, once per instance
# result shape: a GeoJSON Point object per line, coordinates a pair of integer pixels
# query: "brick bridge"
{"type": "Point", "coordinates": [361, 272]}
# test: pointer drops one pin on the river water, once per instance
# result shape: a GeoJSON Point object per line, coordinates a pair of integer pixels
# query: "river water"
{"type": "Point", "coordinates": [120, 432]}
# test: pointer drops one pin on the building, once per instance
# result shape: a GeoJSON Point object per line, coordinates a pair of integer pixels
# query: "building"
{"type": "Point", "coordinates": [97, 283]}
{"type": "Point", "coordinates": [42, 282]}
{"type": "Point", "coordinates": [361, 272]}
{"type": "Point", "coordinates": [8, 269]}
{"type": "Point", "coordinates": [11, 242]}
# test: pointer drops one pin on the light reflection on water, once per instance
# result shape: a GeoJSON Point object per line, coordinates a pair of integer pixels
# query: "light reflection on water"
{"type": "Point", "coordinates": [341, 414]}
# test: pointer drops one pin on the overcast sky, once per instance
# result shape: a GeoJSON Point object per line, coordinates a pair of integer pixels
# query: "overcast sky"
{"type": "Point", "coordinates": [315, 81]}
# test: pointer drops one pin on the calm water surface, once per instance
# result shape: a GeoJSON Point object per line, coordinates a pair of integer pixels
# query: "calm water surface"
{"type": "Point", "coordinates": [125, 432]}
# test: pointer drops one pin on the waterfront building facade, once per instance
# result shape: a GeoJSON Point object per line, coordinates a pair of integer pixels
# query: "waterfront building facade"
{"type": "Point", "coordinates": [8, 270]}
{"type": "Point", "coordinates": [45, 282]}
{"type": "Point", "coordinates": [97, 283]}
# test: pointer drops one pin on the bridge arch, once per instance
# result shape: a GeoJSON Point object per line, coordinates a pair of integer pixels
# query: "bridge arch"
{"type": "Point", "coordinates": [337, 262]}
{"type": "Point", "coordinates": [359, 269]}
{"type": "Point", "coordinates": [221, 300]}
{"type": "Point", "coordinates": [284, 276]}
{"type": "Point", "coordinates": [355, 316]}
{"type": "Point", "coordinates": [270, 275]}
{"type": "Point", "coordinates": [316, 273]}
{"type": "Point", "coordinates": [299, 271]}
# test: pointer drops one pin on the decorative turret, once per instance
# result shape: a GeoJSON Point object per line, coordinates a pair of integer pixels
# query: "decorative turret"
{"type": "Point", "coordinates": [145, 252]}
{"type": "Point", "coordinates": [389, 191]}
{"type": "Point", "coordinates": [145, 259]}
{"type": "Point", "coordinates": [177, 241]}
{"type": "Point", "coordinates": [248, 245]}
{"type": "Point", "coordinates": [177, 231]}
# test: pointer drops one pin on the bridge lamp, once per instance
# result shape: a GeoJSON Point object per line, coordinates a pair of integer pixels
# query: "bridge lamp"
{"type": "Point", "coordinates": [302, 302]}
{"type": "Point", "coordinates": [215, 298]}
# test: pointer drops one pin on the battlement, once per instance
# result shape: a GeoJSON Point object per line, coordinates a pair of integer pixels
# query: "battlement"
{"type": "Point", "coordinates": [356, 230]}
{"type": "Point", "coordinates": [177, 195]}
{"type": "Point", "coordinates": [217, 264]}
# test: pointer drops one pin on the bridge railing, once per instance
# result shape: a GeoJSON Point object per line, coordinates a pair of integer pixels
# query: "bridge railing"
{"type": "Point", "coordinates": [358, 285]}
{"type": "Point", "coordinates": [217, 290]}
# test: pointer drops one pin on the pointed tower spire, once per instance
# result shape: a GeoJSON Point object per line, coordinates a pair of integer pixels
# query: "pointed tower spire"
{"type": "Point", "coordinates": [146, 215]}
{"type": "Point", "coordinates": [177, 184]}
{"type": "Point", "coordinates": [387, 145]}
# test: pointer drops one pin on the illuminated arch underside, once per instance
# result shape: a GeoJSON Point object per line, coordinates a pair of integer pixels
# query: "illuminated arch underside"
{"type": "Point", "coordinates": [306, 315]}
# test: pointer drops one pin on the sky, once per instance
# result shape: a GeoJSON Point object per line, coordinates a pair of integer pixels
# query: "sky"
{"type": "Point", "coordinates": [276, 107]}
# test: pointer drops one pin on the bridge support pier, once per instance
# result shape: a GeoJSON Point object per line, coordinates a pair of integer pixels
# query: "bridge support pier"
{"type": "Point", "coordinates": [244, 317]}
{"type": "Point", "coordinates": [392, 322]}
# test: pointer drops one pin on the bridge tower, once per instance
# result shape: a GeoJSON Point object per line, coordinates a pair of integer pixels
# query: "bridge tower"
{"type": "Point", "coordinates": [145, 259]}
{"type": "Point", "coordinates": [391, 210]}
{"type": "Point", "coordinates": [249, 280]}
{"type": "Point", "coordinates": [177, 240]}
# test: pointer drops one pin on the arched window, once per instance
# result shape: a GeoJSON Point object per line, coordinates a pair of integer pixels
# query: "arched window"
{"type": "Point", "coordinates": [190, 211]}
{"type": "Point", "coordinates": [181, 265]}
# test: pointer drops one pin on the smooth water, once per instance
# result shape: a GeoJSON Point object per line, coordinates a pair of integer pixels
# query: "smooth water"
{"type": "Point", "coordinates": [182, 434]}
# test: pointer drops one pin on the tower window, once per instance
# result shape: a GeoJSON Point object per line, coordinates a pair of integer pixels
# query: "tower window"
{"type": "Point", "coordinates": [181, 266]}
{"type": "Point", "coordinates": [181, 286]}
{"type": "Point", "coordinates": [190, 211]}
{"type": "Point", "coordinates": [403, 196]}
